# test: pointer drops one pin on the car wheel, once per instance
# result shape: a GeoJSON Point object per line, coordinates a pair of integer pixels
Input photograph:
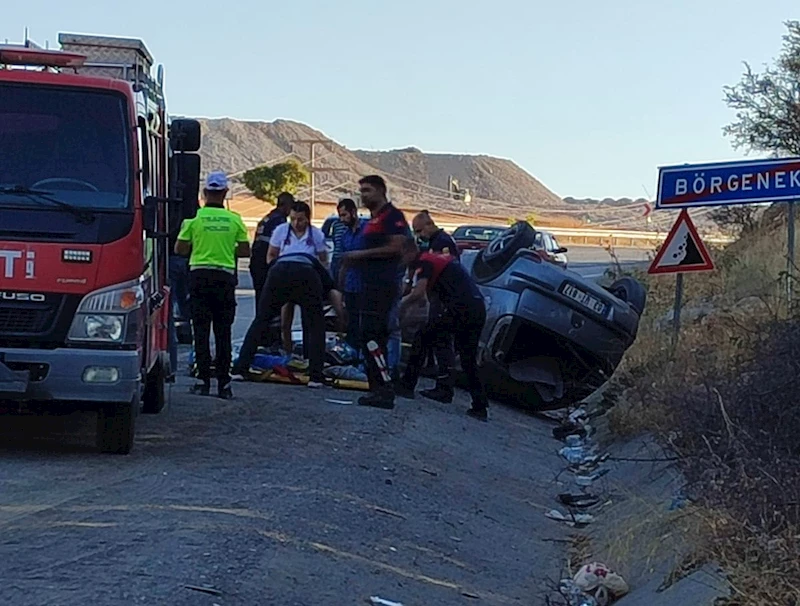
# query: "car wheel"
{"type": "Point", "coordinates": [116, 426]}
{"type": "Point", "coordinates": [154, 398]}
{"type": "Point", "coordinates": [632, 292]}
{"type": "Point", "coordinates": [501, 250]}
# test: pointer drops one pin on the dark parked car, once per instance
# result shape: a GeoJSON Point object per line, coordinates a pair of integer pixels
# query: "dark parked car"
{"type": "Point", "coordinates": [551, 337]}
{"type": "Point", "coordinates": [475, 237]}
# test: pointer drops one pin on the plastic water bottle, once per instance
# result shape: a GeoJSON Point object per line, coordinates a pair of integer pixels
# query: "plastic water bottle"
{"type": "Point", "coordinates": [573, 454]}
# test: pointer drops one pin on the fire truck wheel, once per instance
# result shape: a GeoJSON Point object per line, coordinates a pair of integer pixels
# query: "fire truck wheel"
{"type": "Point", "coordinates": [154, 398]}
{"type": "Point", "coordinates": [116, 426]}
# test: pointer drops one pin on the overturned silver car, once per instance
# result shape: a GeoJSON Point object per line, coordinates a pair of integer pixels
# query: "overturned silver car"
{"type": "Point", "coordinates": [551, 336]}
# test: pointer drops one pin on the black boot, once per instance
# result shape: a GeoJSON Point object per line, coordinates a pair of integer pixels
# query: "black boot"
{"type": "Point", "coordinates": [383, 397]}
{"type": "Point", "coordinates": [202, 388]}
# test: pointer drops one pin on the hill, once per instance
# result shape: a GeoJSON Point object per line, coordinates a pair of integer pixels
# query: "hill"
{"type": "Point", "coordinates": [498, 187]}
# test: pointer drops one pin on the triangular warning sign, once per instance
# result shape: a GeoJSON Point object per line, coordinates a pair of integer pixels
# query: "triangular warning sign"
{"type": "Point", "coordinates": [682, 251]}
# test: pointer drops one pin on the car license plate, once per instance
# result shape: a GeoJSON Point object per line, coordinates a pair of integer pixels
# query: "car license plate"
{"type": "Point", "coordinates": [585, 299]}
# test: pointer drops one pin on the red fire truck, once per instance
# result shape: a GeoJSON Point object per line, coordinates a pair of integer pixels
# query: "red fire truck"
{"type": "Point", "coordinates": [94, 181]}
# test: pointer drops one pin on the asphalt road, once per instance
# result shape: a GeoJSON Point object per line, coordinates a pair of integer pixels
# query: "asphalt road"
{"type": "Point", "coordinates": [282, 497]}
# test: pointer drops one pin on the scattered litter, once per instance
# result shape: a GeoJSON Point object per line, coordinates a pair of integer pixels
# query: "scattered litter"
{"type": "Point", "coordinates": [588, 480]}
{"type": "Point", "coordinates": [389, 512]}
{"type": "Point", "coordinates": [577, 415]}
{"type": "Point", "coordinates": [577, 519]}
{"type": "Point", "coordinates": [470, 595]}
{"type": "Point", "coordinates": [207, 590]}
{"type": "Point", "coordinates": [382, 602]}
{"type": "Point", "coordinates": [574, 596]}
{"type": "Point", "coordinates": [581, 501]}
{"type": "Point", "coordinates": [679, 501]}
{"type": "Point", "coordinates": [343, 402]}
{"type": "Point", "coordinates": [591, 578]}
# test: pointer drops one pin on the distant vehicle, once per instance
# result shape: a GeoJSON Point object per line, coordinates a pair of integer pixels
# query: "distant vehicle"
{"type": "Point", "coordinates": [548, 248]}
{"type": "Point", "coordinates": [551, 337]}
{"type": "Point", "coordinates": [475, 237]}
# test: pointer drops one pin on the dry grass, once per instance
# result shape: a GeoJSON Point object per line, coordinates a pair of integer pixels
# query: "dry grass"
{"type": "Point", "coordinates": [726, 401]}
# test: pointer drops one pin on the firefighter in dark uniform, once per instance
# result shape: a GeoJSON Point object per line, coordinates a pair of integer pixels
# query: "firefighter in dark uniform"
{"type": "Point", "coordinates": [258, 255]}
{"type": "Point", "coordinates": [463, 316]}
{"type": "Point", "coordinates": [435, 240]}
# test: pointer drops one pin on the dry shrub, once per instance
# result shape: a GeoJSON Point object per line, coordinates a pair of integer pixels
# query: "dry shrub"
{"type": "Point", "coordinates": [727, 401]}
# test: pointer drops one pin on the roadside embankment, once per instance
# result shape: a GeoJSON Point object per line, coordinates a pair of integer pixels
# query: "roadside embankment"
{"type": "Point", "coordinates": [721, 408]}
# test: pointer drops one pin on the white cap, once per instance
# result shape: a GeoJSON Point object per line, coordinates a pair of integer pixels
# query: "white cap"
{"type": "Point", "coordinates": [216, 181]}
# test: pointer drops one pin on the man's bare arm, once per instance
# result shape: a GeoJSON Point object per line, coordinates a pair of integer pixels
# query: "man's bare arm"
{"type": "Point", "coordinates": [243, 249]}
{"type": "Point", "coordinates": [183, 248]}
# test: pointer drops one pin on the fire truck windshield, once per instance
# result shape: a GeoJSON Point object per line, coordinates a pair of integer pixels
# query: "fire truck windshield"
{"type": "Point", "coordinates": [73, 144]}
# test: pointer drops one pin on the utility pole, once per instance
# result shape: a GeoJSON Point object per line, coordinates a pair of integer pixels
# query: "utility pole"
{"type": "Point", "coordinates": [313, 169]}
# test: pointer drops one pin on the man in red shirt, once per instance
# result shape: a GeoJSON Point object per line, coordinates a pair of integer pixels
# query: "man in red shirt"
{"type": "Point", "coordinates": [463, 316]}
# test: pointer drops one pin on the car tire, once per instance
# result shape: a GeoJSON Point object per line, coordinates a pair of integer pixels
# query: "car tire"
{"type": "Point", "coordinates": [632, 292]}
{"type": "Point", "coordinates": [154, 398]}
{"type": "Point", "coordinates": [518, 236]}
{"type": "Point", "coordinates": [116, 426]}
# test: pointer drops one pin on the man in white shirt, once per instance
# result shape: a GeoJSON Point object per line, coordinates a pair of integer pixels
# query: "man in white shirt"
{"type": "Point", "coordinates": [296, 236]}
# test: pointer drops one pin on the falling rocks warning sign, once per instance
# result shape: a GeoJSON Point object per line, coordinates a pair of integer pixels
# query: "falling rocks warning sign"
{"type": "Point", "coordinates": [682, 251]}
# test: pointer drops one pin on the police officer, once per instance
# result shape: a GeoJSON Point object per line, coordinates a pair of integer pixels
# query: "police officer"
{"type": "Point", "coordinates": [267, 225]}
{"type": "Point", "coordinates": [213, 240]}
{"type": "Point", "coordinates": [463, 316]}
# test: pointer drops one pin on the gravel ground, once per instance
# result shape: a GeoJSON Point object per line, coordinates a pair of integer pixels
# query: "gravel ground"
{"type": "Point", "coordinates": [279, 497]}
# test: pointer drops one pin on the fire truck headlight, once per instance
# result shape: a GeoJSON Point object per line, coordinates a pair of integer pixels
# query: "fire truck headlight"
{"type": "Point", "coordinates": [103, 327]}
{"type": "Point", "coordinates": [97, 327]}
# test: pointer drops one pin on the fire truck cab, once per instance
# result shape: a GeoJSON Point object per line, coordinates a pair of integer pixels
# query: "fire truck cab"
{"type": "Point", "coordinates": [95, 180]}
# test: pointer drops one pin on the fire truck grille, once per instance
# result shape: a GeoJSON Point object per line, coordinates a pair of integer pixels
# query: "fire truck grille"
{"type": "Point", "coordinates": [28, 319]}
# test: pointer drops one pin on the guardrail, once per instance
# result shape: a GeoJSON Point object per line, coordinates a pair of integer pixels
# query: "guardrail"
{"type": "Point", "coordinates": [585, 236]}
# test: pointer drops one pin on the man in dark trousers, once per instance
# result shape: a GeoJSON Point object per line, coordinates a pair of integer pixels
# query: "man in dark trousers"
{"type": "Point", "coordinates": [436, 240]}
{"type": "Point", "coordinates": [258, 258]}
{"type": "Point", "coordinates": [213, 239]}
{"type": "Point", "coordinates": [378, 261]}
{"type": "Point", "coordinates": [463, 316]}
{"type": "Point", "coordinates": [300, 279]}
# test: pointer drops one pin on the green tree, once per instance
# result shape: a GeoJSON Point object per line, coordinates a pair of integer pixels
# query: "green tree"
{"type": "Point", "coordinates": [266, 182]}
{"type": "Point", "coordinates": [767, 106]}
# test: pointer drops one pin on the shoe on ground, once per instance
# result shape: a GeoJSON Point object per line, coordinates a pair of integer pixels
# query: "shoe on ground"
{"type": "Point", "coordinates": [445, 396]}
{"type": "Point", "coordinates": [404, 391]}
{"type": "Point", "coordinates": [320, 382]}
{"type": "Point", "coordinates": [200, 389]}
{"type": "Point", "coordinates": [478, 413]}
{"type": "Point", "coordinates": [383, 401]}
{"type": "Point", "coordinates": [225, 392]}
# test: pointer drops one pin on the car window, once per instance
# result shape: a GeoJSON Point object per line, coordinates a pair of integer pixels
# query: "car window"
{"type": "Point", "coordinates": [476, 233]}
{"type": "Point", "coordinates": [537, 240]}
{"type": "Point", "coordinates": [554, 243]}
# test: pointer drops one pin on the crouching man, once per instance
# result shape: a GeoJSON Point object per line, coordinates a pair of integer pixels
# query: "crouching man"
{"type": "Point", "coordinates": [463, 316]}
{"type": "Point", "coordinates": [296, 279]}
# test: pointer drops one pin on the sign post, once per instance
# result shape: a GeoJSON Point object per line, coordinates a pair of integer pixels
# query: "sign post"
{"type": "Point", "coordinates": [683, 251]}
{"type": "Point", "coordinates": [790, 256]}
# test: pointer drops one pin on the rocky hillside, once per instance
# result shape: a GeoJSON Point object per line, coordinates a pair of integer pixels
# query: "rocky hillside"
{"type": "Point", "coordinates": [498, 187]}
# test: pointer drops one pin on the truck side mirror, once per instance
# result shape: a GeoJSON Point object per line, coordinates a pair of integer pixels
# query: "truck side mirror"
{"type": "Point", "coordinates": [150, 212]}
{"type": "Point", "coordinates": [184, 135]}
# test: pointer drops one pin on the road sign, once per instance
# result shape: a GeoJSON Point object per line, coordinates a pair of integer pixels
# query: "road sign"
{"type": "Point", "coordinates": [728, 183]}
{"type": "Point", "coordinates": [683, 250]}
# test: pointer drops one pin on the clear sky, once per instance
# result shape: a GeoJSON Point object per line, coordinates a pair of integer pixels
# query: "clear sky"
{"type": "Point", "coordinates": [589, 96]}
